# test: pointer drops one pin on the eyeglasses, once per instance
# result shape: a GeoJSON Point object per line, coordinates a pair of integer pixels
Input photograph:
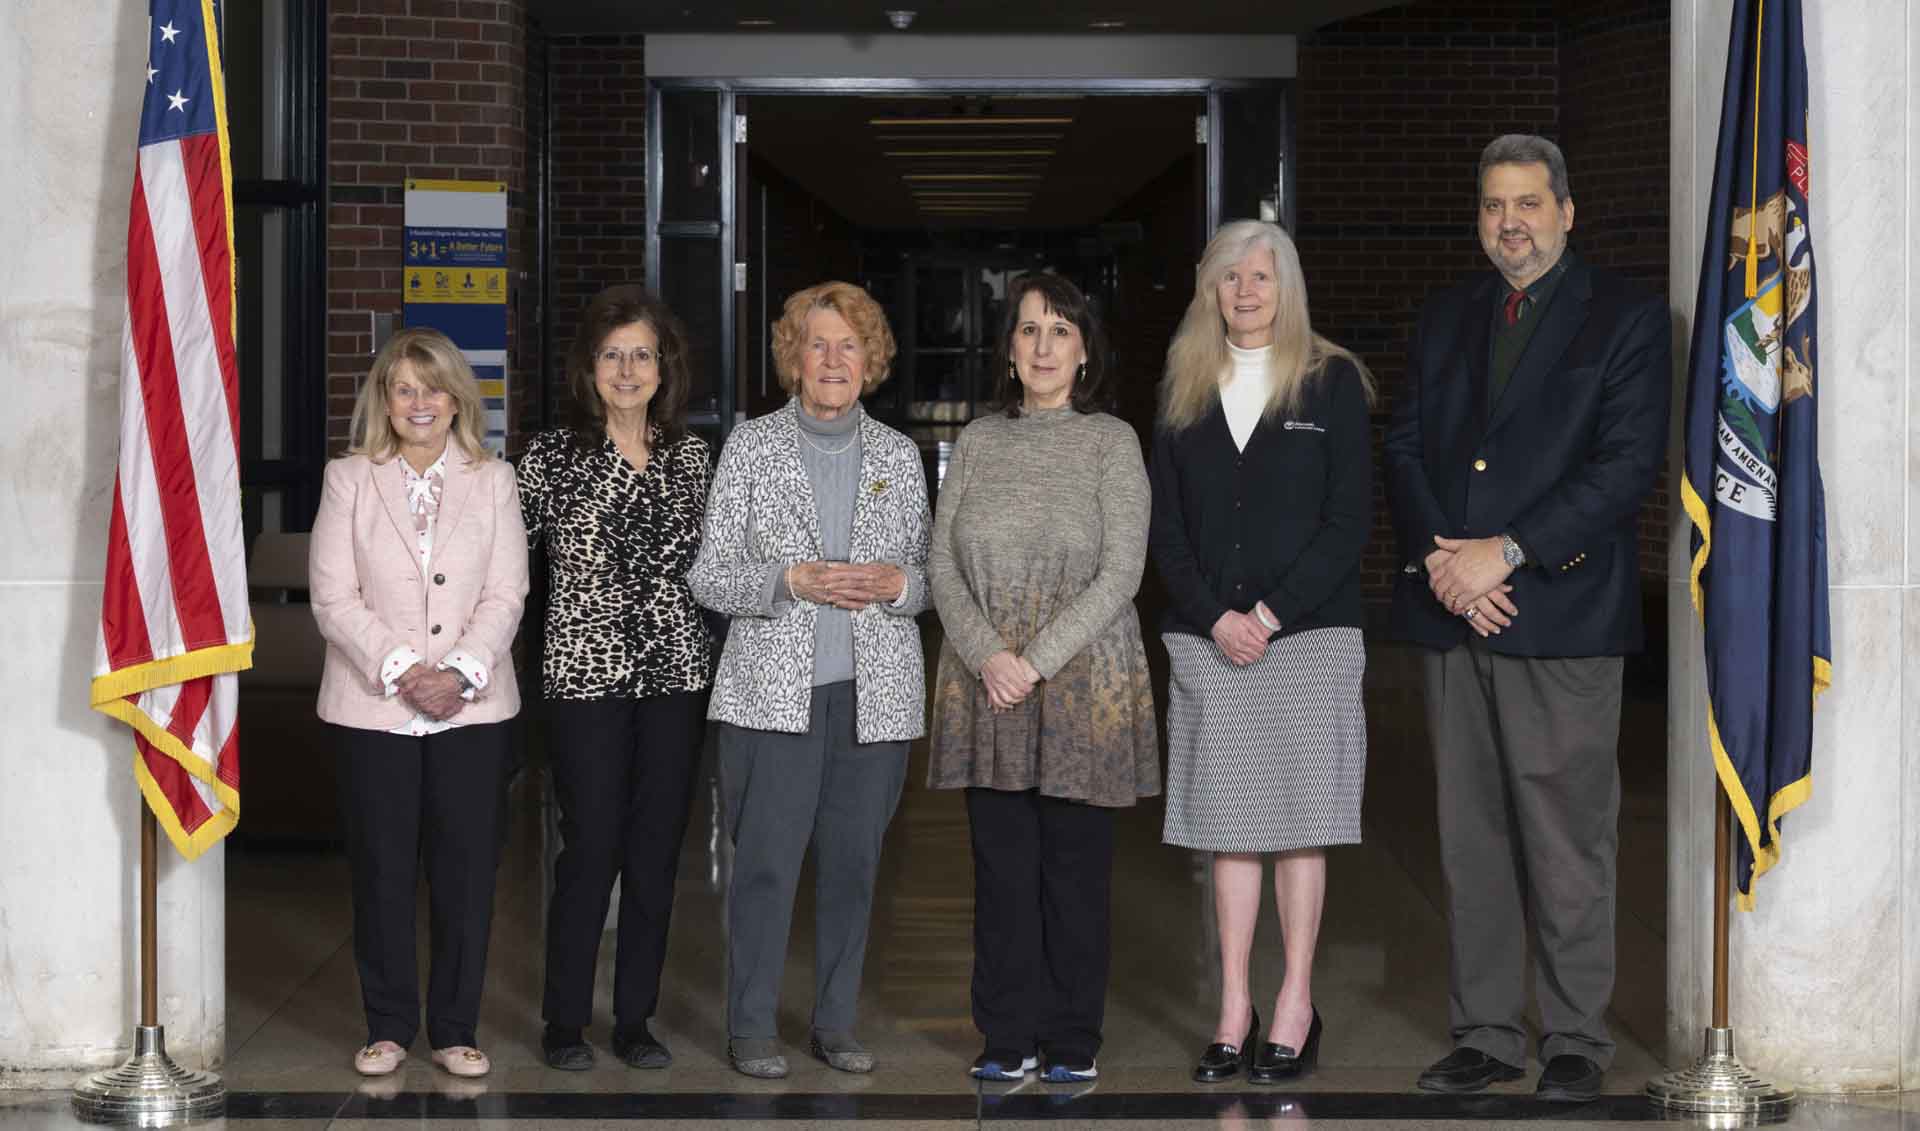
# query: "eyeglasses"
{"type": "Point", "coordinates": [415, 393]}
{"type": "Point", "coordinates": [640, 356]}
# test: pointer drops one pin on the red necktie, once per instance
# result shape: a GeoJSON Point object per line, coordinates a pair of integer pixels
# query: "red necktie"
{"type": "Point", "coordinates": [1514, 302]}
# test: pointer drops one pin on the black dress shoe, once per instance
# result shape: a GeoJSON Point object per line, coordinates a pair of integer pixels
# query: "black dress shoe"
{"type": "Point", "coordinates": [1466, 1070]}
{"type": "Point", "coordinates": [1569, 1078]}
{"type": "Point", "coordinates": [638, 1048]}
{"type": "Point", "coordinates": [566, 1049]}
{"type": "Point", "coordinates": [1274, 1063]}
{"type": "Point", "coordinates": [1222, 1061]}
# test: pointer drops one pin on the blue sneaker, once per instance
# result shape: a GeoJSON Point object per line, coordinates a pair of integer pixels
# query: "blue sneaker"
{"type": "Point", "coordinates": [1003, 1064]}
{"type": "Point", "coordinates": [1070, 1067]}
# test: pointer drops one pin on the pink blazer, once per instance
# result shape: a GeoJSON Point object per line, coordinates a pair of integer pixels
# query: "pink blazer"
{"type": "Point", "coordinates": [369, 596]}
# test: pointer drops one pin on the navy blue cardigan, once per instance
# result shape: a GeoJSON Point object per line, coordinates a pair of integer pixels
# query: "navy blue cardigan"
{"type": "Point", "coordinates": [1284, 521]}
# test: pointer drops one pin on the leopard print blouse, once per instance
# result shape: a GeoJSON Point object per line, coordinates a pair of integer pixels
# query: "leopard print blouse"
{"type": "Point", "coordinates": [620, 621]}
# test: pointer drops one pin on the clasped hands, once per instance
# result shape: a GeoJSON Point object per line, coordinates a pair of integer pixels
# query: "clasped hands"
{"type": "Point", "coordinates": [433, 693]}
{"type": "Point", "coordinates": [846, 585]}
{"type": "Point", "coordinates": [1242, 637]}
{"type": "Point", "coordinates": [1009, 679]}
{"type": "Point", "coordinates": [1468, 577]}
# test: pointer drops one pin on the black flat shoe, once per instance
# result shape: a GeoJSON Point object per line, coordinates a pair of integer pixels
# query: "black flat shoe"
{"type": "Point", "coordinates": [1570, 1078]}
{"type": "Point", "coordinates": [566, 1049]}
{"type": "Point", "coordinates": [1222, 1061]}
{"type": "Point", "coordinates": [639, 1049]}
{"type": "Point", "coordinates": [1274, 1063]}
{"type": "Point", "coordinates": [1466, 1070]}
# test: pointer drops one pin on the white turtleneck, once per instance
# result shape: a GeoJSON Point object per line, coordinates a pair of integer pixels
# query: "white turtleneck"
{"type": "Point", "coordinates": [1244, 389]}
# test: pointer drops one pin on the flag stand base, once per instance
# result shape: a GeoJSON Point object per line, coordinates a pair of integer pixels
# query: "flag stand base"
{"type": "Point", "coordinates": [150, 1090]}
{"type": "Point", "coordinates": [1718, 1090]}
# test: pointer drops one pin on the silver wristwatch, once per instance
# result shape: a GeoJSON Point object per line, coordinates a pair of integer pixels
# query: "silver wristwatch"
{"type": "Point", "coordinates": [1511, 553]}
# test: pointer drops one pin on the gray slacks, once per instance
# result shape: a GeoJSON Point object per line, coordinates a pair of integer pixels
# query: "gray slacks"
{"type": "Point", "coordinates": [782, 792]}
{"type": "Point", "coordinates": [1526, 763]}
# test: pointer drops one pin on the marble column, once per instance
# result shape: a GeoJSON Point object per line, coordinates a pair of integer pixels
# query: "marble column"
{"type": "Point", "coordinates": [69, 859]}
{"type": "Point", "coordinates": [1824, 971]}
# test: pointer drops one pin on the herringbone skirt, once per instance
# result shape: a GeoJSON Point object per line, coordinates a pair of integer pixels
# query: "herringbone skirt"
{"type": "Point", "coordinates": [1269, 757]}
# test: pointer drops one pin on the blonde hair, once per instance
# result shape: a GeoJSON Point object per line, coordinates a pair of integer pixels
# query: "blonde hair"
{"type": "Point", "coordinates": [435, 362]}
{"type": "Point", "coordinates": [1198, 354]}
{"type": "Point", "coordinates": [851, 303]}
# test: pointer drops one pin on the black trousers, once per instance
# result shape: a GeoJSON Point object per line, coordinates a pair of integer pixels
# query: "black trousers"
{"type": "Point", "coordinates": [623, 774]}
{"type": "Point", "coordinates": [440, 799]}
{"type": "Point", "coordinates": [1042, 889]}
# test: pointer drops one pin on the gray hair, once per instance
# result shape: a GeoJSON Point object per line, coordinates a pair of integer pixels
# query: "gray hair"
{"type": "Point", "coordinates": [1198, 354]}
{"type": "Point", "coordinates": [1526, 149]}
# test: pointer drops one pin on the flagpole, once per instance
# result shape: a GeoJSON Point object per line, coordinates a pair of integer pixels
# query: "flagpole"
{"type": "Point", "coordinates": [1717, 1089]}
{"type": "Point", "coordinates": [149, 919]}
{"type": "Point", "coordinates": [1722, 853]}
{"type": "Point", "coordinates": [149, 1089]}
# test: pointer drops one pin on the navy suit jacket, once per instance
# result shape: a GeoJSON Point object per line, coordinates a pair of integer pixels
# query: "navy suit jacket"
{"type": "Point", "coordinates": [1561, 461]}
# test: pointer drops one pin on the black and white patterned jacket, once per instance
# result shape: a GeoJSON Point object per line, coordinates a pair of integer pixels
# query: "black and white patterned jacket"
{"type": "Point", "coordinates": [620, 622]}
{"type": "Point", "coordinates": [761, 517]}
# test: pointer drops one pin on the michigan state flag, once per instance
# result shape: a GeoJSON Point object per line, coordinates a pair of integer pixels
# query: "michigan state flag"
{"type": "Point", "coordinates": [1752, 485]}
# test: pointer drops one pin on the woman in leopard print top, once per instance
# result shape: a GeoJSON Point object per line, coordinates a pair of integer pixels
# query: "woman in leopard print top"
{"type": "Point", "coordinates": [619, 502]}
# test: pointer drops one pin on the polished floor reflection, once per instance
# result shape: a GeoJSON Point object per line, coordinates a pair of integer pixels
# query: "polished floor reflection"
{"type": "Point", "coordinates": [294, 1020]}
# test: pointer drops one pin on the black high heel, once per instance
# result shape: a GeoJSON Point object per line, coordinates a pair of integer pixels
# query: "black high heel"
{"type": "Point", "coordinates": [1274, 1063]}
{"type": "Point", "coordinates": [1223, 1061]}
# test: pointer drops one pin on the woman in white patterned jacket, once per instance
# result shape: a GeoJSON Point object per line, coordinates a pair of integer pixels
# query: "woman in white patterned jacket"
{"type": "Point", "coordinates": [816, 547]}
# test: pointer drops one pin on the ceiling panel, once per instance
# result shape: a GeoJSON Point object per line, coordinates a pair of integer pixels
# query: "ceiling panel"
{"type": "Point", "coordinates": [907, 162]}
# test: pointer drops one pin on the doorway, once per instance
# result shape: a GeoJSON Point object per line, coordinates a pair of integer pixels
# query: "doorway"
{"type": "Point", "coordinates": [933, 198]}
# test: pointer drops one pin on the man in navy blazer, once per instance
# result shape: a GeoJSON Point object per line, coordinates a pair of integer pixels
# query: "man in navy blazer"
{"type": "Point", "coordinates": [1532, 423]}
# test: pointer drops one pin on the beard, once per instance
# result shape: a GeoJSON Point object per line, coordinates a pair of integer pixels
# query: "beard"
{"type": "Point", "coordinates": [1529, 260]}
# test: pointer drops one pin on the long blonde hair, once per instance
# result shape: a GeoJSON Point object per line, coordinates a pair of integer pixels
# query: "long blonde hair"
{"type": "Point", "coordinates": [1198, 355]}
{"type": "Point", "coordinates": [436, 363]}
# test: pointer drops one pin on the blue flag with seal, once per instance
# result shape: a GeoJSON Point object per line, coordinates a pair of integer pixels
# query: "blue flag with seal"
{"type": "Point", "coordinates": [1752, 484]}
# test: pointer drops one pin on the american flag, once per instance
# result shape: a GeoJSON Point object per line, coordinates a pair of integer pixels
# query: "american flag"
{"type": "Point", "coordinates": [173, 622]}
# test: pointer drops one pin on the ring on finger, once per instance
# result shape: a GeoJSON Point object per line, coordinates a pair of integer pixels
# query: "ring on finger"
{"type": "Point", "coordinates": [1471, 613]}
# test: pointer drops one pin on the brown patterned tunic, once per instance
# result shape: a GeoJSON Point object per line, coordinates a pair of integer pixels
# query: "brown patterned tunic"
{"type": "Point", "coordinates": [1038, 547]}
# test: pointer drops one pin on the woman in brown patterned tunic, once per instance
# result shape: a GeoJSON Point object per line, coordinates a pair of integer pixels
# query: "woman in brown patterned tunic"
{"type": "Point", "coordinates": [1042, 708]}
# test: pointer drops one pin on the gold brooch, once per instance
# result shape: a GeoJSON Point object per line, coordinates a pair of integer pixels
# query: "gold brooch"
{"type": "Point", "coordinates": [879, 485]}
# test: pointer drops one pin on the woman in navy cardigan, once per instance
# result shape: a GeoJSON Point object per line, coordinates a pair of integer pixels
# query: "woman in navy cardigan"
{"type": "Point", "coordinates": [1261, 505]}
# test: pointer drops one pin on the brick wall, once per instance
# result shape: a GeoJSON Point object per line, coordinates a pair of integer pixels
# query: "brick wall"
{"type": "Point", "coordinates": [416, 88]}
{"type": "Point", "coordinates": [1614, 83]}
{"type": "Point", "coordinates": [598, 220]}
{"type": "Point", "coordinates": [1395, 107]}
{"type": "Point", "coordinates": [1394, 110]}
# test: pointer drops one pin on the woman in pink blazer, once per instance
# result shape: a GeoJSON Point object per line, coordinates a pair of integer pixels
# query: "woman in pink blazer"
{"type": "Point", "coordinates": [418, 574]}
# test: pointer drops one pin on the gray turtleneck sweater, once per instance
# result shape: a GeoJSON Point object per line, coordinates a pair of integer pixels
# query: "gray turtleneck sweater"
{"type": "Point", "coordinates": [830, 451]}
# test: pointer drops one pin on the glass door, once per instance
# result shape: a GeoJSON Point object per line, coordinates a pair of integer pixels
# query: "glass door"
{"type": "Point", "coordinates": [1249, 138]}
{"type": "Point", "coordinates": [690, 234]}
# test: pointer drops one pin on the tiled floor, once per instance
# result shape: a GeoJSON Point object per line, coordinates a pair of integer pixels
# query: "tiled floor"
{"type": "Point", "coordinates": [294, 1021]}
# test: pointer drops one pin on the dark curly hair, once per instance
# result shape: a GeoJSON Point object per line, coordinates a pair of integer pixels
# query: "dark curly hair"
{"type": "Point", "coordinates": [609, 311]}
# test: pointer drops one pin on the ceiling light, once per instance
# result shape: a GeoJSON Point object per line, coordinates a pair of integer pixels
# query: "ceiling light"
{"type": "Point", "coordinates": [968, 152]}
{"type": "Point", "coordinates": [971, 177]}
{"type": "Point", "coordinates": [1107, 25]}
{"type": "Point", "coordinates": [981, 120]}
{"type": "Point", "coordinates": [900, 18]}
{"type": "Point", "coordinates": [755, 21]}
{"type": "Point", "coordinates": [939, 139]}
